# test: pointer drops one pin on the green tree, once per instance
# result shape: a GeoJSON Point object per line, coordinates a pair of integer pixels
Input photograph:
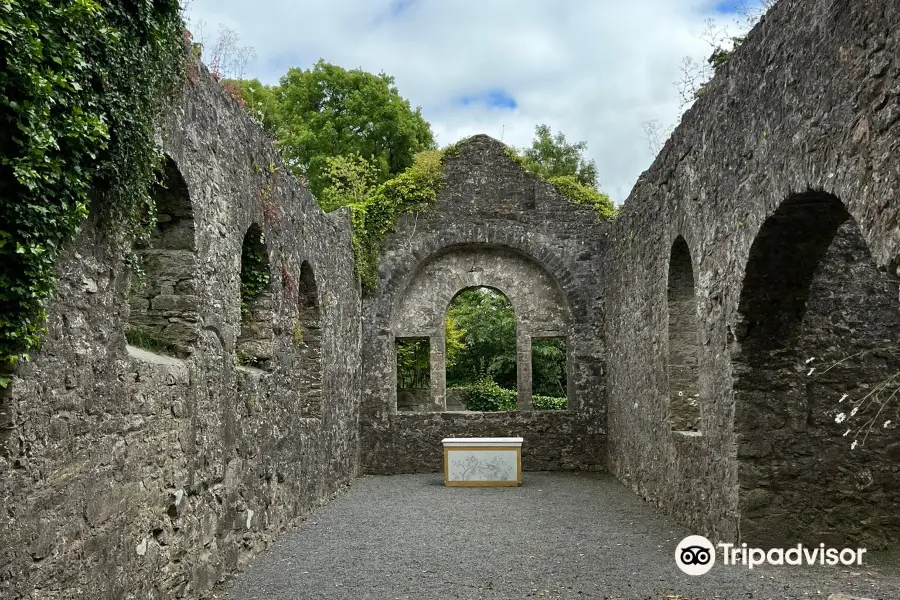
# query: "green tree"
{"type": "Point", "coordinates": [557, 161]}
{"type": "Point", "coordinates": [548, 367]}
{"type": "Point", "coordinates": [454, 342]}
{"type": "Point", "coordinates": [489, 340]}
{"type": "Point", "coordinates": [413, 364]}
{"type": "Point", "coordinates": [328, 111]}
{"type": "Point", "coordinates": [349, 180]}
{"type": "Point", "coordinates": [553, 156]}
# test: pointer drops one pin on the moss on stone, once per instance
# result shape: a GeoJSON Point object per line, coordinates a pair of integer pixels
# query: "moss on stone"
{"type": "Point", "coordinates": [413, 190]}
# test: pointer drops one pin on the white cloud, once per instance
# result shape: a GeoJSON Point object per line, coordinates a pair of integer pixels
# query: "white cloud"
{"type": "Point", "coordinates": [594, 69]}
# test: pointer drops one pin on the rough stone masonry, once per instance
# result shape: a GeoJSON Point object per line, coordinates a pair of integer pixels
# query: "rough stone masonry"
{"type": "Point", "coordinates": [749, 283]}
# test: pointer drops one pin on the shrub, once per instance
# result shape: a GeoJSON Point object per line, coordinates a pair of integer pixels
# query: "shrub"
{"type": "Point", "coordinates": [487, 396]}
{"type": "Point", "coordinates": [414, 189]}
{"type": "Point", "coordinates": [548, 403]}
{"type": "Point", "coordinates": [578, 193]}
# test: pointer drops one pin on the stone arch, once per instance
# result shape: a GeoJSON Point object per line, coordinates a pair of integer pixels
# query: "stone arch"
{"type": "Point", "coordinates": [815, 317]}
{"type": "Point", "coordinates": [255, 342]}
{"type": "Point", "coordinates": [423, 247]}
{"type": "Point", "coordinates": [164, 307]}
{"type": "Point", "coordinates": [505, 382]}
{"type": "Point", "coordinates": [536, 297]}
{"type": "Point", "coordinates": [684, 341]}
{"type": "Point", "coordinates": [307, 337]}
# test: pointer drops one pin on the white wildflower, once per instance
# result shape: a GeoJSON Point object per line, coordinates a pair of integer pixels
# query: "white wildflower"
{"type": "Point", "coordinates": [810, 371]}
{"type": "Point", "coordinates": [840, 418]}
{"type": "Point", "coordinates": [854, 444]}
{"type": "Point", "coordinates": [853, 412]}
{"type": "Point", "coordinates": [888, 422]}
{"type": "Point", "coordinates": [809, 360]}
{"type": "Point", "coordinates": [846, 433]}
{"type": "Point", "coordinates": [844, 397]}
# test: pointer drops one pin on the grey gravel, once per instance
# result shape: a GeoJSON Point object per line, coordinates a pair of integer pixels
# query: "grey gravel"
{"type": "Point", "coordinates": [559, 535]}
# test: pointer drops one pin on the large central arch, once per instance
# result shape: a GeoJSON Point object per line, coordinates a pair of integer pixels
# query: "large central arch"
{"type": "Point", "coordinates": [536, 297]}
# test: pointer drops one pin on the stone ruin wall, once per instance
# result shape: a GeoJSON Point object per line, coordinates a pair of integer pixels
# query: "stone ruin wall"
{"type": "Point", "coordinates": [492, 225]}
{"type": "Point", "coordinates": [801, 127]}
{"type": "Point", "coordinates": [766, 232]}
{"type": "Point", "coordinates": [133, 474]}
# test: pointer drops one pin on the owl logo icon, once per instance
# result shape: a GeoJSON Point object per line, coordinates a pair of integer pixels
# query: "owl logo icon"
{"type": "Point", "coordinates": [695, 555]}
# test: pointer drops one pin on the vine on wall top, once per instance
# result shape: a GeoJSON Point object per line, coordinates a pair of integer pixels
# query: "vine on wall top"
{"type": "Point", "coordinates": [82, 83]}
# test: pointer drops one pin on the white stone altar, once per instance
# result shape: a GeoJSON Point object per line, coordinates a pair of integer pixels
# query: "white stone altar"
{"type": "Point", "coordinates": [482, 461]}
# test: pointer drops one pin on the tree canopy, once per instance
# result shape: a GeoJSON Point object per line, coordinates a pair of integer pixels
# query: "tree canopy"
{"type": "Point", "coordinates": [481, 353]}
{"type": "Point", "coordinates": [329, 113]}
{"type": "Point", "coordinates": [484, 321]}
{"type": "Point", "coordinates": [553, 156]}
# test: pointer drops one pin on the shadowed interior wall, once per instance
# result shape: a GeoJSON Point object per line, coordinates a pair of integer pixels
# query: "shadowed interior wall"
{"type": "Point", "coordinates": [807, 110]}
{"type": "Point", "coordinates": [684, 386]}
{"type": "Point", "coordinates": [818, 336]}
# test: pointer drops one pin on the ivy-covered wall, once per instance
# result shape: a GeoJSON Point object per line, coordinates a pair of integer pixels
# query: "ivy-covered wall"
{"type": "Point", "coordinates": [76, 138]}
{"type": "Point", "coordinates": [131, 472]}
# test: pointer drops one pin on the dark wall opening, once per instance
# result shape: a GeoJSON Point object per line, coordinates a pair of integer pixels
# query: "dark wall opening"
{"type": "Point", "coordinates": [308, 341]}
{"type": "Point", "coordinates": [255, 343]}
{"type": "Point", "coordinates": [413, 374]}
{"type": "Point", "coordinates": [684, 346]}
{"type": "Point", "coordinates": [816, 380]}
{"type": "Point", "coordinates": [549, 378]}
{"type": "Point", "coordinates": [164, 303]}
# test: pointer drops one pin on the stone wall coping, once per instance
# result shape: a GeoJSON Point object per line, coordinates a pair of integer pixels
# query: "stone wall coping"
{"type": "Point", "coordinates": [497, 441]}
{"type": "Point", "coordinates": [153, 358]}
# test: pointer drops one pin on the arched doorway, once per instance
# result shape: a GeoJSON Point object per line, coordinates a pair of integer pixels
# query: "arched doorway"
{"type": "Point", "coordinates": [817, 372]}
{"type": "Point", "coordinates": [480, 351]}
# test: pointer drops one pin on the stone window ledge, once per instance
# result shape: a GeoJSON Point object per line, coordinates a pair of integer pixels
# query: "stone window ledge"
{"type": "Point", "coordinates": [687, 434]}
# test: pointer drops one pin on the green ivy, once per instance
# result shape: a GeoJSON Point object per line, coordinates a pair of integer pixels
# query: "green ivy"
{"type": "Point", "coordinates": [584, 195]}
{"type": "Point", "coordinates": [572, 190]}
{"type": "Point", "coordinates": [82, 83]}
{"type": "Point", "coordinates": [255, 276]}
{"type": "Point", "coordinates": [514, 156]}
{"type": "Point", "coordinates": [412, 190]}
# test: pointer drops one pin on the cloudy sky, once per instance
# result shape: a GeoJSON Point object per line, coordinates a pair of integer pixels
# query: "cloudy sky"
{"type": "Point", "coordinates": [594, 69]}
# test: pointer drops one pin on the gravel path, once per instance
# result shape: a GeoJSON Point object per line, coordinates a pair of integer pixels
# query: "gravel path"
{"type": "Point", "coordinates": [560, 535]}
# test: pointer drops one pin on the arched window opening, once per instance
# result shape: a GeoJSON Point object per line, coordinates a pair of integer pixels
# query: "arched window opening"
{"type": "Point", "coordinates": [684, 346]}
{"type": "Point", "coordinates": [480, 347]}
{"type": "Point", "coordinates": [549, 380]}
{"type": "Point", "coordinates": [308, 340]}
{"type": "Point", "coordinates": [164, 308]}
{"type": "Point", "coordinates": [817, 378]}
{"type": "Point", "coordinates": [256, 338]}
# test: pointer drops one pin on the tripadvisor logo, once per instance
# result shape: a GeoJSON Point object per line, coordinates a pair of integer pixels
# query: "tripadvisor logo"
{"type": "Point", "coordinates": [696, 555]}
